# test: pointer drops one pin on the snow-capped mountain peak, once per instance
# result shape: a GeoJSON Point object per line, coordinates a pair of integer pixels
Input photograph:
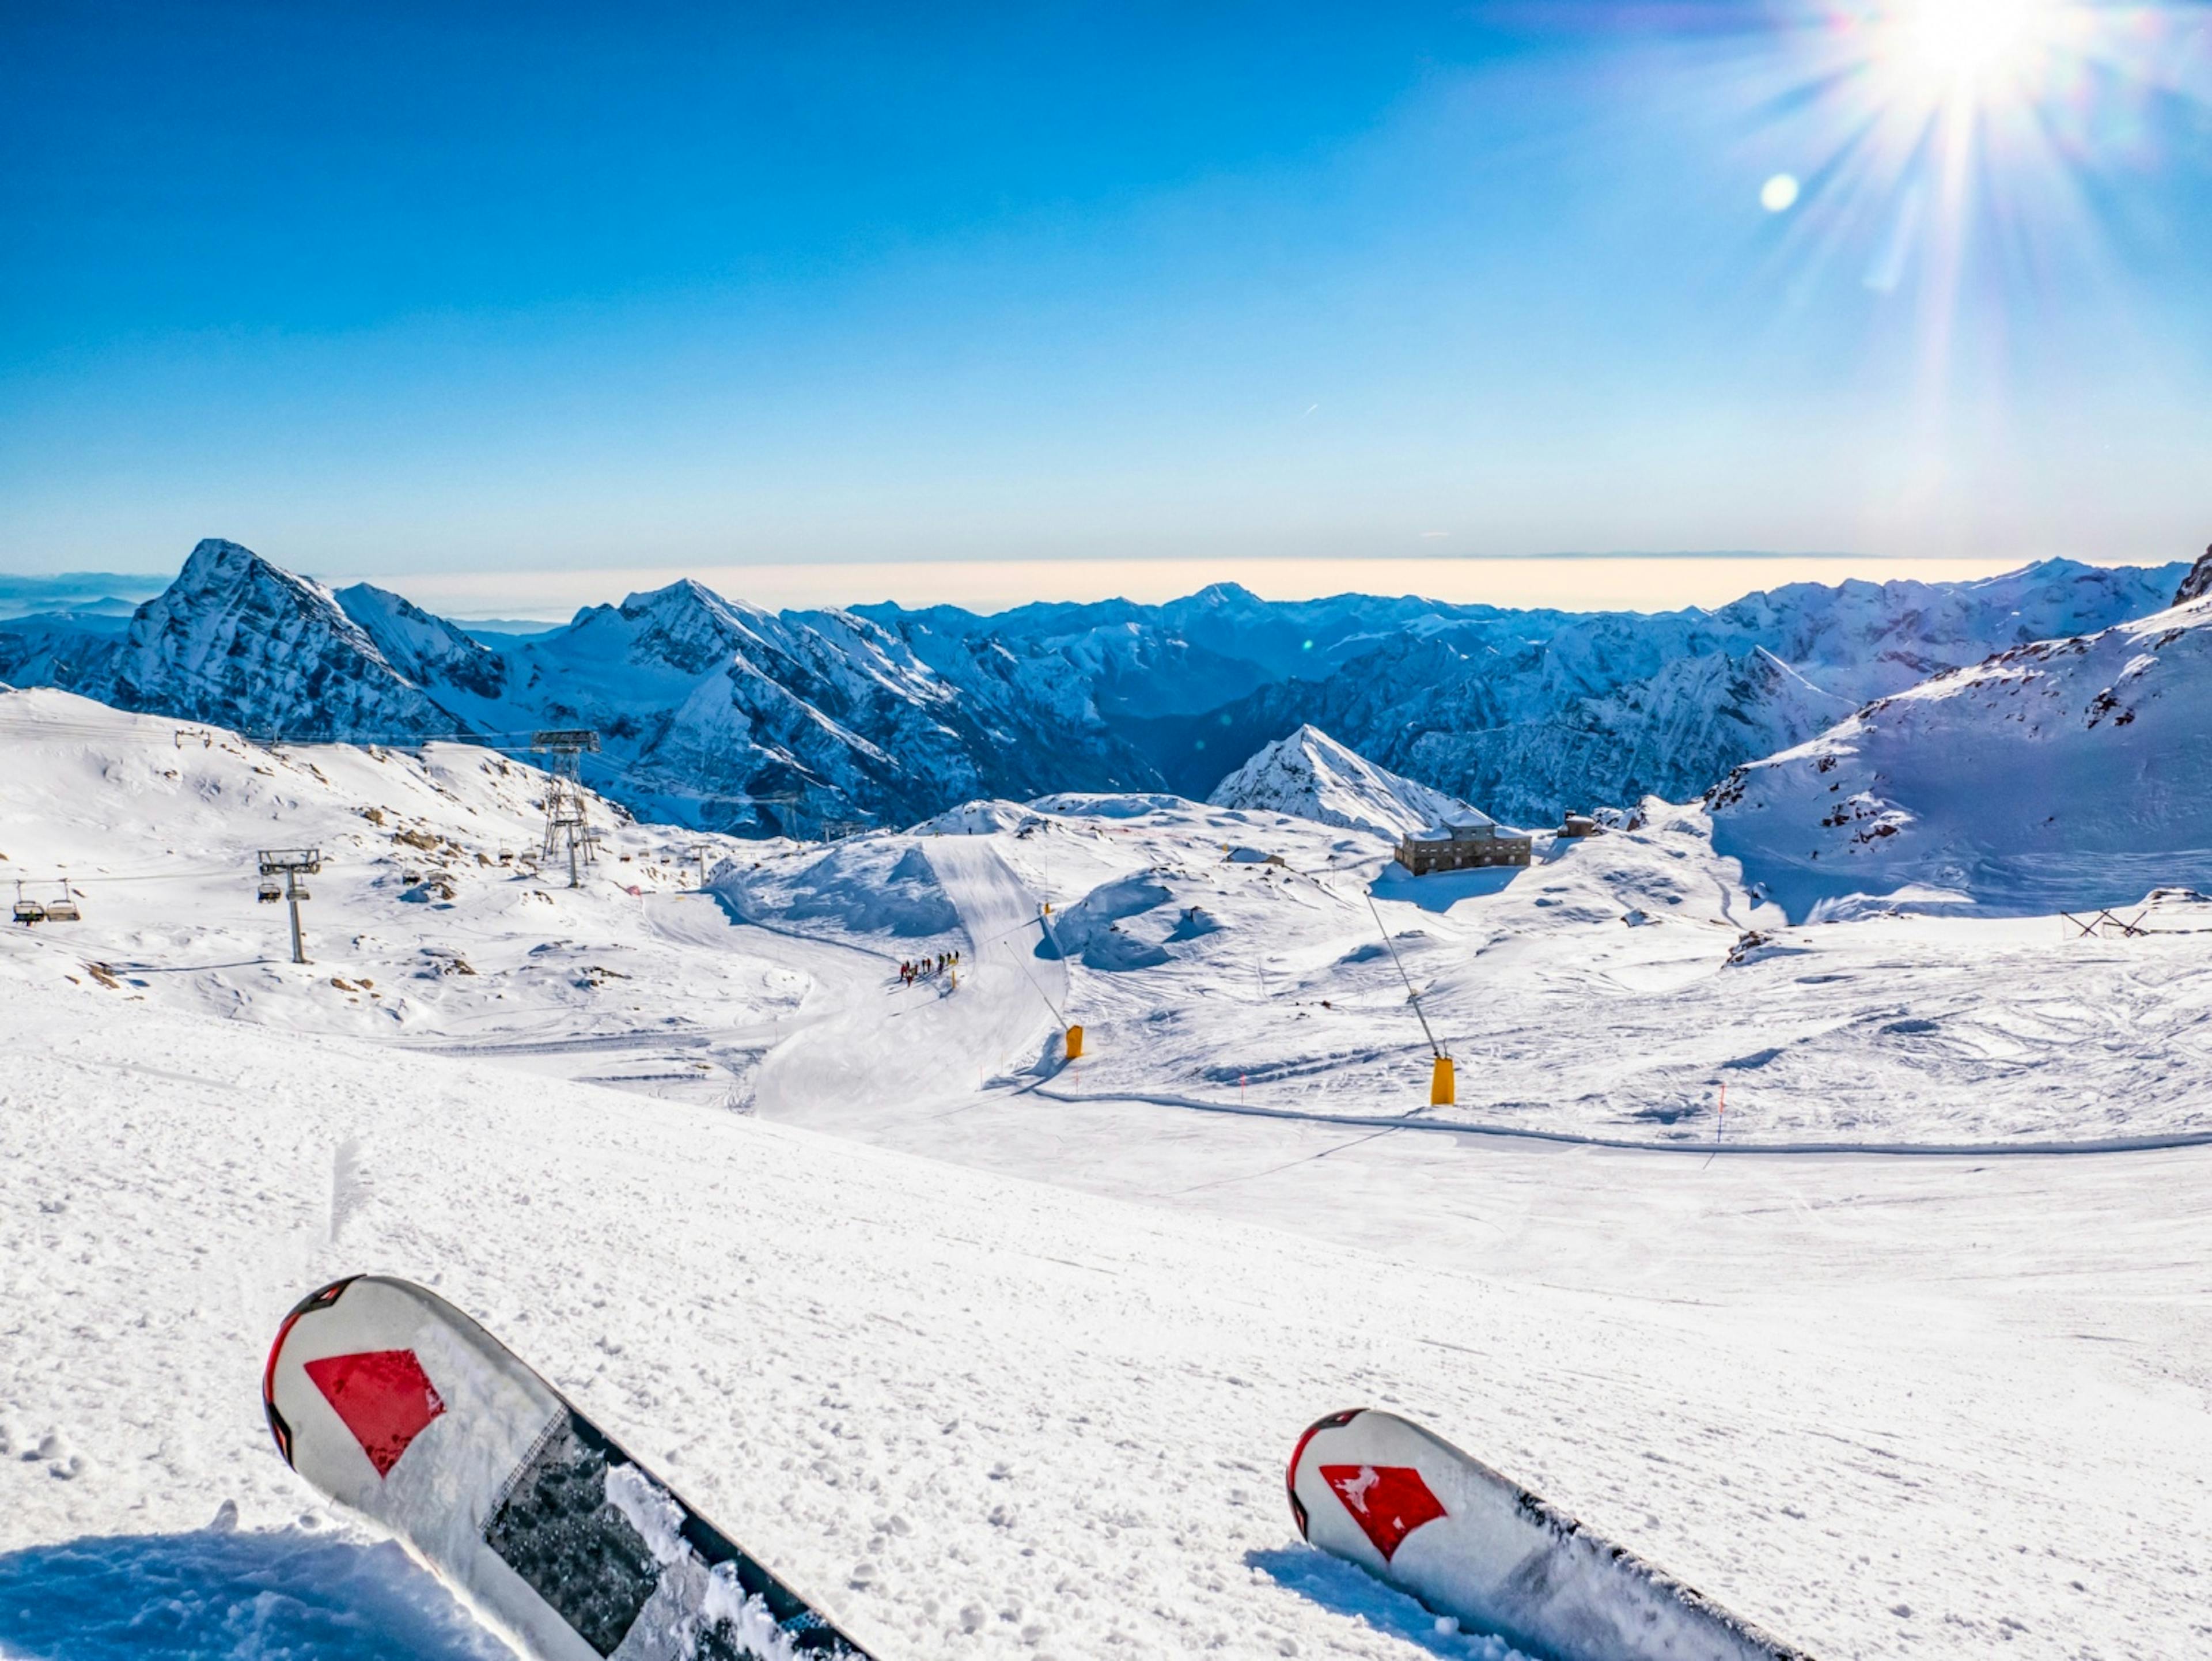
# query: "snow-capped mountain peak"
{"type": "Point", "coordinates": [238, 641]}
{"type": "Point", "coordinates": [1311, 776]}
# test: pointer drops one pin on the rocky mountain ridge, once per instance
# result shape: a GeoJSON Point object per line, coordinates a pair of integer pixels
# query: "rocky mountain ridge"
{"type": "Point", "coordinates": [715, 713]}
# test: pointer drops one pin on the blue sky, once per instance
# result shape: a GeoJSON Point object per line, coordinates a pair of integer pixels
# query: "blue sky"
{"type": "Point", "coordinates": [462, 288]}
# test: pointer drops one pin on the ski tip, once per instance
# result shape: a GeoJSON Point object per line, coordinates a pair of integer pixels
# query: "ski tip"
{"type": "Point", "coordinates": [1290, 1475]}
{"type": "Point", "coordinates": [321, 1297]}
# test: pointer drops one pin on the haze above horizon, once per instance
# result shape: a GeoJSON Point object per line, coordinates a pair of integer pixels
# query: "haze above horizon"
{"type": "Point", "coordinates": [478, 300]}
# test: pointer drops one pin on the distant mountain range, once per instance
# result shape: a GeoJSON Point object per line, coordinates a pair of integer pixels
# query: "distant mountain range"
{"type": "Point", "coordinates": [91, 592]}
{"type": "Point", "coordinates": [717, 713]}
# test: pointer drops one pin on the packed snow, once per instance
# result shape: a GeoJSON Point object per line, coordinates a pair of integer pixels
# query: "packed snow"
{"type": "Point", "coordinates": [997, 1353]}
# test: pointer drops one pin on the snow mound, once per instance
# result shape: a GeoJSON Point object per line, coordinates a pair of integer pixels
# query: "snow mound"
{"type": "Point", "coordinates": [2064, 774]}
{"type": "Point", "coordinates": [869, 885]}
{"type": "Point", "coordinates": [1119, 804]}
{"type": "Point", "coordinates": [298, 1593]}
{"type": "Point", "coordinates": [1091, 928]}
{"type": "Point", "coordinates": [975, 818]}
{"type": "Point", "coordinates": [1311, 776]}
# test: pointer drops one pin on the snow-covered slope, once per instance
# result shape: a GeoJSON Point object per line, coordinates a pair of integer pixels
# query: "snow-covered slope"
{"type": "Point", "coordinates": [1311, 775]}
{"type": "Point", "coordinates": [1615, 990]}
{"type": "Point", "coordinates": [1000, 1412]}
{"type": "Point", "coordinates": [991, 1406]}
{"type": "Point", "coordinates": [988, 1417]}
{"type": "Point", "coordinates": [2066, 774]}
{"type": "Point", "coordinates": [430, 921]}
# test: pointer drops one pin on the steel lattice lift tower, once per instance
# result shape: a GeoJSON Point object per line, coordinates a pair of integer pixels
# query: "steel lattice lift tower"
{"type": "Point", "coordinates": [566, 747]}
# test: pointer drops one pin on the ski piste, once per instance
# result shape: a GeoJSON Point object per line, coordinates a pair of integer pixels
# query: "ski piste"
{"type": "Point", "coordinates": [395, 1404]}
{"type": "Point", "coordinates": [1413, 1510]}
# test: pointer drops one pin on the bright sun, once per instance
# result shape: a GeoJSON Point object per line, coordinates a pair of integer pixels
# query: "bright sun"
{"type": "Point", "coordinates": [1973, 50]}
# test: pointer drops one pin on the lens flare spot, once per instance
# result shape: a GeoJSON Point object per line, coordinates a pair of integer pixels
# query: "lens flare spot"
{"type": "Point", "coordinates": [1778, 194]}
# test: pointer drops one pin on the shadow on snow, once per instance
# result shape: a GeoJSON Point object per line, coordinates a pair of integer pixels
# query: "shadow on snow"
{"type": "Point", "coordinates": [1440, 890]}
{"type": "Point", "coordinates": [226, 1595]}
{"type": "Point", "coordinates": [1336, 1584]}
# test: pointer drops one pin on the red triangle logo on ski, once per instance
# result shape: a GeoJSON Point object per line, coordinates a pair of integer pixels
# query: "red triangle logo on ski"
{"type": "Point", "coordinates": [384, 1397]}
{"type": "Point", "coordinates": [1389, 1502]}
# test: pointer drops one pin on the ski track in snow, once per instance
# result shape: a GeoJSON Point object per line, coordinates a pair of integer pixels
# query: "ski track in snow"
{"type": "Point", "coordinates": [886, 1045]}
{"type": "Point", "coordinates": [1012, 1366]}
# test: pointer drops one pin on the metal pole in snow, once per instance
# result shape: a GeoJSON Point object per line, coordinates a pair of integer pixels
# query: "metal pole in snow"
{"type": "Point", "coordinates": [292, 896]}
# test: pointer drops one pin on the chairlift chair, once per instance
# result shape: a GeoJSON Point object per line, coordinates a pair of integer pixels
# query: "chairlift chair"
{"type": "Point", "coordinates": [29, 911]}
{"type": "Point", "coordinates": [270, 891]}
{"type": "Point", "coordinates": [64, 908]}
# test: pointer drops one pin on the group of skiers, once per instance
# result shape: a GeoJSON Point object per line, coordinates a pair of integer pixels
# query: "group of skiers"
{"type": "Point", "coordinates": [922, 969]}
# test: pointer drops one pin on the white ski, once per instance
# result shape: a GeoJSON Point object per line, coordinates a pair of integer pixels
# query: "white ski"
{"type": "Point", "coordinates": [393, 1402]}
{"type": "Point", "coordinates": [1413, 1510]}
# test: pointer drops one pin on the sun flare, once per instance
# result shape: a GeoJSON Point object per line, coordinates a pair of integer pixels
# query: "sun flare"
{"type": "Point", "coordinates": [1948, 154]}
{"type": "Point", "coordinates": [1972, 48]}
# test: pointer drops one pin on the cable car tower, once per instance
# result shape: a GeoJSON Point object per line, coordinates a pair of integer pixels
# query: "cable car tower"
{"type": "Point", "coordinates": [291, 864]}
{"type": "Point", "coordinates": [565, 821]}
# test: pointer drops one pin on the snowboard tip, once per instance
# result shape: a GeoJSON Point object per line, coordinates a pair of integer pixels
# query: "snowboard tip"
{"type": "Point", "coordinates": [1327, 1421]}
{"type": "Point", "coordinates": [321, 1297]}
